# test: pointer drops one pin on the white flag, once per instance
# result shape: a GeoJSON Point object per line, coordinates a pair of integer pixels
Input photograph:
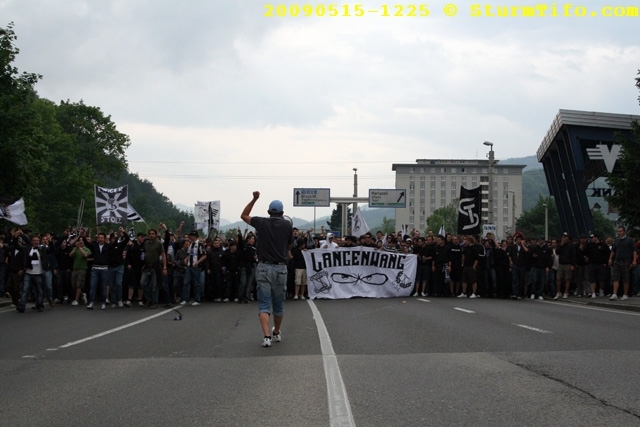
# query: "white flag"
{"type": "Point", "coordinates": [207, 215]}
{"type": "Point", "coordinates": [13, 211]}
{"type": "Point", "coordinates": [133, 215]}
{"type": "Point", "coordinates": [359, 225]}
{"type": "Point", "coordinates": [442, 232]}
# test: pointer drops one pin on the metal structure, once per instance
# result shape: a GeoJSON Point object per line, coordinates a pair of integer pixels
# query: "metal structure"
{"type": "Point", "coordinates": [580, 147]}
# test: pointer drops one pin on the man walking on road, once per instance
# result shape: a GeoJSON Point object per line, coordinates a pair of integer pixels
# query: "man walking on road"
{"type": "Point", "coordinates": [274, 243]}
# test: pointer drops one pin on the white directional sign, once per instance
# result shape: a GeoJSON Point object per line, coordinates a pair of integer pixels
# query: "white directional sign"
{"type": "Point", "coordinates": [311, 197]}
{"type": "Point", "coordinates": [393, 198]}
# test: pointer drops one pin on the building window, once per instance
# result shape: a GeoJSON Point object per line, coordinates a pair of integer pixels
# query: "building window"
{"type": "Point", "coordinates": [412, 170]}
{"type": "Point", "coordinates": [484, 170]}
{"type": "Point", "coordinates": [433, 170]}
{"type": "Point", "coordinates": [423, 185]}
{"type": "Point", "coordinates": [411, 178]}
{"type": "Point", "coordinates": [433, 185]}
{"type": "Point", "coordinates": [453, 170]}
{"type": "Point", "coordinates": [422, 178]}
{"type": "Point", "coordinates": [474, 170]}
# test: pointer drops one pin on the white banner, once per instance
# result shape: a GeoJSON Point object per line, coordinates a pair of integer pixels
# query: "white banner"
{"type": "Point", "coordinates": [206, 215]}
{"type": "Point", "coordinates": [112, 205]}
{"type": "Point", "coordinates": [359, 272]}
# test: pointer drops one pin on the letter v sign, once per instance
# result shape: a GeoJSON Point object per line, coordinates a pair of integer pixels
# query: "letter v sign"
{"type": "Point", "coordinates": [602, 152]}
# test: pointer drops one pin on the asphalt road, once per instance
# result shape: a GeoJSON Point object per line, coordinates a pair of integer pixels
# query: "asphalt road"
{"type": "Point", "coordinates": [359, 362]}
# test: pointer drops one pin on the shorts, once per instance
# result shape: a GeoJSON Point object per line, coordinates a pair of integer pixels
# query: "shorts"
{"type": "Point", "coordinates": [564, 272]}
{"type": "Point", "coordinates": [422, 273]}
{"type": "Point", "coordinates": [621, 271]}
{"type": "Point", "coordinates": [456, 274]}
{"type": "Point", "coordinates": [468, 275]}
{"type": "Point", "coordinates": [78, 279]}
{"type": "Point", "coordinates": [271, 288]}
{"type": "Point", "coordinates": [301, 277]}
{"type": "Point", "coordinates": [597, 273]}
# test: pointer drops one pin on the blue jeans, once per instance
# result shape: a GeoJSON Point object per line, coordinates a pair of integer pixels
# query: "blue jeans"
{"type": "Point", "coordinates": [272, 287]}
{"type": "Point", "coordinates": [3, 274]}
{"type": "Point", "coordinates": [149, 284]}
{"type": "Point", "coordinates": [98, 275]}
{"type": "Point", "coordinates": [47, 285]}
{"type": "Point", "coordinates": [538, 278]}
{"type": "Point", "coordinates": [517, 285]}
{"type": "Point", "coordinates": [491, 281]}
{"type": "Point", "coordinates": [115, 283]}
{"type": "Point", "coordinates": [37, 281]}
{"type": "Point", "coordinates": [552, 281]}
{"type": "Point", "coordinates": [193, 276]}
{"type": "Point", "coordinates": [247, 276]}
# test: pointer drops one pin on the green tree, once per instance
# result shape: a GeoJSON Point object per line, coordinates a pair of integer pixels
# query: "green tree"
{"type": "Point", "coordinates": [447, 216]}
{"type": "Point", "coordinates": [626, 196]}
{"type": "Point", "coordinates": [604, 227]}
{"type": "Point", "coordinates": [335, 223]}
{"type": "Point", "coordinates": [22, 146]}
{"type": "Point", "coordinates": [531, 222]}
{"type": "Point", "coordinates": [388, 225]}
{"type": "Point", "coordinates": [101, 146]}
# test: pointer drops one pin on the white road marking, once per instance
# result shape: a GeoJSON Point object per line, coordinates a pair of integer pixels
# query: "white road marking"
{"type": "Point", "coordinates": [424, 300]}
{"type": "Point", "coordinates": [119, 328]}
{"type": "Point", "coordinates": [52, 349]}
{"type": "Point", "coordinates": [29, 357]}
{"type": "Point", "coordinates": [339, 406]}
{"type": "Point", "coordinates": [463, 310]}
{"type": "Point", "coordinates": [531, 328]}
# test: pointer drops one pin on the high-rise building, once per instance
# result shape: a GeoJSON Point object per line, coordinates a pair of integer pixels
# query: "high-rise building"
{"type": "Point", "coordinates": [434, 183]}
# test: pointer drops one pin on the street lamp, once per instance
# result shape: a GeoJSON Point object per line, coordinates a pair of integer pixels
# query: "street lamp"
{"type": "Point", "coordinates": [355, 189]}
{"type": "Point", "coordinates": [546, 222]}
{"type": "Point", "coordinates": [490, 198]}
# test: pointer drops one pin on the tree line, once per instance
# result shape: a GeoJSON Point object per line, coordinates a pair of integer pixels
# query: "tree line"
{"type": "Point", "coordinates": [52, 154]}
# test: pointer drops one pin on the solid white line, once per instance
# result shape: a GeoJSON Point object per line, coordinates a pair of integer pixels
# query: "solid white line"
{"type": "Point", "coordinates": [28, 357]}
{"type": "Point", "coordinates": [424, 300]}
{"type": "Point", "coordinates": [463, 310]}
{"type": "Point", "coordinates": [531, 328]}
{"type": "Point", "coordinates": [339, 406]}
{"type": "Point", "coordinates": [119, 328]}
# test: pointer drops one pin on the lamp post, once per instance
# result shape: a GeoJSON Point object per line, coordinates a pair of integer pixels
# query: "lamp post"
{"type": "Point", "coordinates": [513, 211]}
{"type": "Point", "coordinates": [355, 189]}
{"type": "Point", "coordinates": [490, 198]}
{"type": "Point", "coordinates": [546, 222]}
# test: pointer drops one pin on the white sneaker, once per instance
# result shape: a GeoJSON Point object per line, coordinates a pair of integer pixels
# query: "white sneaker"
{"type": "Point", "coordinates": [276, 337]}
{"type": "Point", "coordinates": [565, 296]}
{"type": "Point", "coordinates": [601, 293]}
{"type": "Point", "coordinates": [302, 297]}
{"type": "Point", "coordinates": [462, 296]}
{"type": "Point", "coordinates": [613, 297]}
{"type": "Point", "coordinates": [266, 342]}
{"type": "Point", "coordinates": [533, 296]}
{"type": "Point", "coordinates": [195, 303]}
{"type": "Point", "coordinates": [74, 303]}
{"type": "Point", "coordinates": [83, 299]}
{"type": "Point", "coordinates": [624, 298]}
{"type": "Point", "coordinates": [473, 296]}
{"type": "Point", "coordinates": [90, 306]}
{"type": "Point", "coordinates": [593, 295]}
{"type": "Point", "coordinates": [103, 306]}
{"type": "Point", "coordinates": [183, 302]}
{"type": "Point", "coordinates": [107, 301]}
{"type": "Point", "coordinates": [120, 304]}
{"type": "Point", "coordinates": [295, 297]}
{"type": "Point", "coordinates": [140, 304]}
{"type": "Point", "coordinates": [540, 298]}
{"type": "Point", "coordinates": [423, 294]}
{"type": "Point", "coordinates": [557, 296]}
{"type": "Point", "coordinates": [225, 300]}
{"type": "Point", "coordinates": [127, 303]}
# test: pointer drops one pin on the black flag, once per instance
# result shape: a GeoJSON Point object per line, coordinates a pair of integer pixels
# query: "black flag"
{"type": "Point", "coordinates": [469, 211]}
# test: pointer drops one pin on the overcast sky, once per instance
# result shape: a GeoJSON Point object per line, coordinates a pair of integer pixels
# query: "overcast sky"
{"type": "Point", "coordinates": [219, 100]}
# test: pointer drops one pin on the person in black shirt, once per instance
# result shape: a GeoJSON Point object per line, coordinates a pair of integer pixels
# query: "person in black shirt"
{"type": "Point", "coordinates": [541, 263]}
{"type": "Point", "coordinates": [470, 261]}
{"type": "Point", "coordinates": [597, 257]}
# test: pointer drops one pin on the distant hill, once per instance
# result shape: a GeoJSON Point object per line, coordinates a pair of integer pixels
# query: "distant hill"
{"type": "Point", "coordinates": [531, 162]}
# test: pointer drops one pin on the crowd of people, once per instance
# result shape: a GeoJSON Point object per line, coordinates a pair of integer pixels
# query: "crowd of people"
{"type": "Point", "coordinates": [162, 267]}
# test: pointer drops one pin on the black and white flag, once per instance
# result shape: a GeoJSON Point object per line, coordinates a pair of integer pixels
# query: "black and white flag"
{"type": "Point", "coordinates": [13, 210]}
{"type": "Point", "coordinates": [469, 211]}
{"type": "Point", "coordinates": [112, 205]}
{"type": "Point", "coordinates": [133, 215]}
{"type": "Point", "coordinates": [360, 226]}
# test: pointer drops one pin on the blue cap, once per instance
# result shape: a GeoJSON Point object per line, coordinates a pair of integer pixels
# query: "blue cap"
{"type": "Point", "coordinates": [276, 207]}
